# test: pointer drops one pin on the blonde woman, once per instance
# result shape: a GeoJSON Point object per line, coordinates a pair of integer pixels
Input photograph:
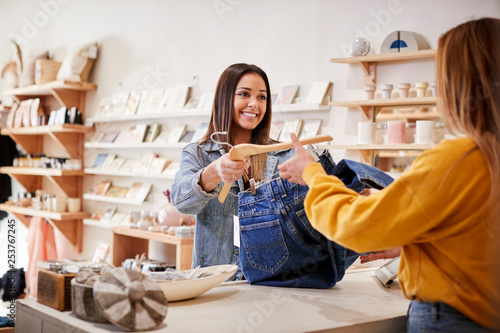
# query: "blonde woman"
{"type": "Point", "coordinates": [443, 212]}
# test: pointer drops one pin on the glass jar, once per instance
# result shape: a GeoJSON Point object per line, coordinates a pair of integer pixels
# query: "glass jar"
{"type": "Point", "coordinates": [380, 132]}
{"type": "Point", "coordinates": [438, 132]}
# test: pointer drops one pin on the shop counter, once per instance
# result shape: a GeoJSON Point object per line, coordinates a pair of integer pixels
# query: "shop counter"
{"type": "Point", "coordinates": [359, 303]}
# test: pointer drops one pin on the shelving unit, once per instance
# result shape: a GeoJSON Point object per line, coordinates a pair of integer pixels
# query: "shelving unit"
{"type": "Point", "coordinates": [69, 137]}
{"type": "Point", "coordinates": [127, 243]}
{"type": "Point", "coordinates": [372, 108]}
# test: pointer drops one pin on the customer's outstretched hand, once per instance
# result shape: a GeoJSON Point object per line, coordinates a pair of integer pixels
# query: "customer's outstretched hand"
{"type": "Point", "coordinates": [292, 169]}
{"type": "Point", "coordinates": [385, 254]}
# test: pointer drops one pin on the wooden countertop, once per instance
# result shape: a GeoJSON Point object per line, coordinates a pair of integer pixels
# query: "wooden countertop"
{"type": "Point", "coordinates": [359, 303]}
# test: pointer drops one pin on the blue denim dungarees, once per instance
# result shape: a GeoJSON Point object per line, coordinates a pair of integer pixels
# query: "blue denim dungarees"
{"type": "Point", "coordinates": [279, 247]}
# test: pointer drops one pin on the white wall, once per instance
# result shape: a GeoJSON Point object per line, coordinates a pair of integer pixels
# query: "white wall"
{"type": "Point", "coordinates": [160, 43]}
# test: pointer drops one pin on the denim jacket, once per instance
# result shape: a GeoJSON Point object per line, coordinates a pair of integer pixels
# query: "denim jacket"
{"type": "Point", "coordinates": [213, 243]}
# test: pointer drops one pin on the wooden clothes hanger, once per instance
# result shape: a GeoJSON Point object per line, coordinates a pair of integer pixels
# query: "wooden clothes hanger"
{"type": "Point", "coordinates": [239, 152]}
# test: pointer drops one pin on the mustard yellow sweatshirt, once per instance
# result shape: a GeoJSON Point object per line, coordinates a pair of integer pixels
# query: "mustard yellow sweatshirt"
{"type": "Point", "coordinates": [436, 211]}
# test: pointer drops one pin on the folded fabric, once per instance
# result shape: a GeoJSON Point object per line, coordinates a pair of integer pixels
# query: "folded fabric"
{"type": "Point", "coordinates": [279, 247]}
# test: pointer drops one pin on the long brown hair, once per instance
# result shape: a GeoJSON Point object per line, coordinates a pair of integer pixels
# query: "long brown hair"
{"type": "Point", "coordinates": [223, 109]}
{"type": "Point", "coordinates": [468, 85]}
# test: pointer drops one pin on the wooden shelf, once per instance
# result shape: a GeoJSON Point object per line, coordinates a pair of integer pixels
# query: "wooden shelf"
{"type": "Point", "coordinates": [402, 56]}
{"type": "Point", "coordinates": [69, 224]}
{"type": "Point", "coordinates": [49, 87]}
{"type": "Point", "coordinates": [39, 130]}
{"type": "Point", "coordinates": [407, 116]}
{"type": "Point", "coordinates": [389, 102]}
{"type": "Point", "coordinates": [40, 171]}
{"type": "Point", "coordinates": [368, 105]}
{"type": "Point", "coordinates": [127, 243]}
{"type": "Point", "coordinates": [57, 216]}
{"type": "Point", "coordinates": [92, 171]}
{"type": "Point", "coordinates": [104, 198]}
{"type": "Point", "coordinates": [135, 145]}
{"type": "Point", "coordinates": [369, 63]}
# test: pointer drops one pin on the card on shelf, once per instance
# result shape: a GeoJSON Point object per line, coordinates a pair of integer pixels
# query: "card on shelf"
{"type": "Point", "coordinates": [145, 163]}
{"type": "Point", "coordinates": [143, 192]}
{"type": "Point", "coordinates": [290, 126]}
{"type": "Point", "coordinates": [287, 94]}
{"type": "Point", "coordinates": [153, 132]}
{"type": "Point", "coordinates": [101, 188]}
{"type": "Point", "coordinates": [187, 137]}
{"type": "Point", "coordinates": [178, 98]}
{"type": "Point", "coordinates": [171, 169]}
{"type": "Point", "coordinates": [120, 103]}
{"type": "Point", "coordinates": [128, 165]}
{"type": "Point", "coordinates": [158, 165]}
{"type": "Point", "coordinates": [310, 128]}
{"type": "Point", "coordinates": [108, 160]}
{"type": "Point", "coordinates": [206, 101]}
{"type": "Point", "coordinates": [133, 102]}
{"type": "Point", "coordinates": [109, 137]}
{"type": "Point", "coordinates": [105, 107]}
{"type": "Point", "coordinates": [100, 253]}
{"type": "Point", "coordinates": [319, 90]}
{"type": "Point", "coordinates": [176, 134]}
{"type": "Point", "coordinates": [140, 132]}
{"type": "Point", "coordinates": [165, 99]}
{"type": "Point", "coordinates": [124, 136]}
{"type": "Point", "coordinates": [162, 137]}
{"type": "Point", "coordinates": [192, 104]}
{"type": "Point", "coordinates": [108, 213]}
{"type": "Point", "coordinates": [117, 163]}
{"type": "Point", "coordinates": [99, 160]}
{"type": "Point", "coordinates": [155, 99]}
{"type": "Point", "coordinates": [132, 191]}
{"type": "Point", "coordinates": [201, 130]}
{"type": "Point", "coordinates": [276, 128]}
{"type": "Point", "coordinates": [143, 107]}
{"type": "Point", "coordinates": [117, 192]}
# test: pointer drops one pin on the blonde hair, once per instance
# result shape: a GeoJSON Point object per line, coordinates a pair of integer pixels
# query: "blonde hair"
{"type": "Point", "coordinates": [468, 85]}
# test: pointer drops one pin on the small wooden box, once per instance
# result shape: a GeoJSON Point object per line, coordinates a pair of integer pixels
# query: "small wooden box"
{"type": "Point", "coordinates": [54, 289]}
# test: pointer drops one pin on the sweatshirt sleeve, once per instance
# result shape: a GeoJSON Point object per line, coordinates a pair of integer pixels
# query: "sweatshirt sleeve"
{"type": "Point", "coordinates": [383, 220]}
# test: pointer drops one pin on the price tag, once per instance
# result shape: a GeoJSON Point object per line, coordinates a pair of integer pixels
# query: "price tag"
{"type": "Point", "coordinates": [236, 231]}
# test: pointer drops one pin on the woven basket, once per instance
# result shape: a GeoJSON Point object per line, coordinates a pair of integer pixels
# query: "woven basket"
{"type": "Point", "coordinates": [46, 70]}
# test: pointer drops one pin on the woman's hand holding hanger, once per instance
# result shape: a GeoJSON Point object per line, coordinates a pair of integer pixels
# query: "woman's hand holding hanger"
{"type": "Point", "coordinates": [229, 170]}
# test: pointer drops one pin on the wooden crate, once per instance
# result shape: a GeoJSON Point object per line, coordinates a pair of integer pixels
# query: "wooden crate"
{"type": "Point", "coordinates": [54, 289]}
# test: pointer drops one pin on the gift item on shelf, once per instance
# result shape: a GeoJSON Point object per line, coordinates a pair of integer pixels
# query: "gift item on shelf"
{"type": "Point", "coordinates": [290, 126]}
{"type": "Point", "coordinates": [421, 88]}
{"type": "Point", "coordinates": [424, 132]}
{"type": "Point", "coordinates": [403, 41]}
{"type": "Point", "coordinates": [396, 132]}
{"type": "Point", "coordinates": [366, 132]}
{"type": "Point", "coordinates": [78, 63]}
{"type": "Point", "coordinates": [276, 128]}
{"type": "Point", "coordinates": [386, 90]}
{"type": "Point", "coordinates": [370, 91]}
{"type": "Point", "coordinates": [404, 90]}
{"type": "Point", "coordinates": [432, 84]}
{"type": "Point", "coordinates": [360, 46]}
{"type": "Point", "coordinates": [310, 128]}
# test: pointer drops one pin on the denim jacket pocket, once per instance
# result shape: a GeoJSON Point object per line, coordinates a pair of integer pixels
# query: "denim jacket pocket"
{"type": "Point", "coordinates": [264, 245]}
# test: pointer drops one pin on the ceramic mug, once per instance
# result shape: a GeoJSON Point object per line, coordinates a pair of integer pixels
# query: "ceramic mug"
{"type": "Point", "coordinates": [359, 46]}
{"type": "Point", "coordinates": [59, 204]}
{"type": "Point", "coordinates": [74, 205]}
